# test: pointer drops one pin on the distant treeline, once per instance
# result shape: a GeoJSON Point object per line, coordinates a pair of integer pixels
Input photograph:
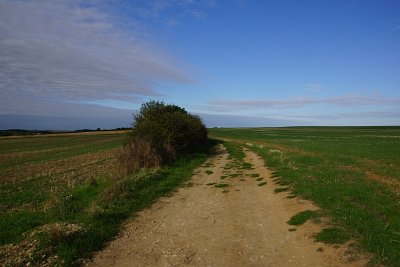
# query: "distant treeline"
{"type": "Point", "coordinates": [16, 132]}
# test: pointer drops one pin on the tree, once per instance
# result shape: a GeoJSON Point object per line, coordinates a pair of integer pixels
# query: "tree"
{"type": "Point", "coordinates": [161, 133]}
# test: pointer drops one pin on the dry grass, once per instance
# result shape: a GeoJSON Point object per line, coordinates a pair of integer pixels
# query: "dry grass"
{"type": "Point", "coordinates": [93, 133]}
{"type": "Point", "coordinates": [139, 154]}
{"type": "Point", "coordinates": [81, 167]}
{"type": "Point", "coordinates": [369, 168]}
{"type": "Point", "coordinates": [50, 165]}
{"type": "Point", "coordinates": [392, 183]}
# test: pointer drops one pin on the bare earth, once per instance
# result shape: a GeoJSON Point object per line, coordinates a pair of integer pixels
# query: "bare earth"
{"type": "Point", "coordinates": [242, 224]}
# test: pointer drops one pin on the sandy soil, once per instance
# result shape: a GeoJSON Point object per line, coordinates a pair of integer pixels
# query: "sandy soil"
{"type": "Point", "coordinates": [242, 224]}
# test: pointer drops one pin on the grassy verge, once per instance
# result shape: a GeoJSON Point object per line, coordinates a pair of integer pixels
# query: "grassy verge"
{"type": "Point", "coordinates": [121, 200]}
{"type": "Point", "coordinates": [64, 228]}
{"type": "Point", "coordinates": [364, 210]}
{"type": "Point", "coordinates": [351, 173]}
{"type": "Point", "coordinates": [234, 150]}
{"type": "Point", "coordinates": [302, 217]}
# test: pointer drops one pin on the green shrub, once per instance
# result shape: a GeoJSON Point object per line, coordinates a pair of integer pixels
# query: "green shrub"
{"type": "Point", "coordinates": [161, 133]}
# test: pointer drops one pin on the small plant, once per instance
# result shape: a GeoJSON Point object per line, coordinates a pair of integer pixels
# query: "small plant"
{"type": "Point", "coordinates": [211, 184]}
{"type": "Point", "coordinates": [259, 179]}
{"type": "Point", "coordinates": [221, 185]}
{"type": "Point", "coordinates": [281, 189]}
{"type": "Point", "coordinates": [275, 175]}
{"type": "Point", "coordinates": [189, 184]}
{"type": "Point", "coordinates": [208, 164]}
{"type": "Point", "coordinates": [332, 236]}
{"type": "Point", "coordinates": [254, 175]}
{"type": "Point", "coordinates": [209, 172]}
{"type": "Point", "coordinates": [262, 184]}
{"type": "Point", "coordinates": [282, 182]}
{"type": "Point", "coordinates": [302, 217]}
{"type": "Point", "coordinates": [247, 166]}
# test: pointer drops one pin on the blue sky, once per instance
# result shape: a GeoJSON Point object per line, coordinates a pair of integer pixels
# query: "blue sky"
{"type": "Point", "coordinates": [88, 64]}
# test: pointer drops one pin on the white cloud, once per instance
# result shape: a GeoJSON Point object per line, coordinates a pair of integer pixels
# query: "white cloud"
{"type": "Point", "coordinates": [216, 120]}
{"type": "Point", "coordinates": [388, 114]}
{"type": "Point", "coordinates": [290, 103]}
{"type": "Point", "coordinates": [75, 51]}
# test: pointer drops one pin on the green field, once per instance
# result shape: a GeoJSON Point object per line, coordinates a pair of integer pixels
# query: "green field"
{"type": "Point", "coordinates": [351, 173]}
{"type": "Point", "coordinates": [63, 196]}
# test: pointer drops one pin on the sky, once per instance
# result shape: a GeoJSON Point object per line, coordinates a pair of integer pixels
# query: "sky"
{"type": "Point", "coordinates": [74, 64]}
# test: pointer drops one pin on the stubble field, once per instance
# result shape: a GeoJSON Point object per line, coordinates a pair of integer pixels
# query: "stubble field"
{"type": "Point", "coordinates": [63, 196]}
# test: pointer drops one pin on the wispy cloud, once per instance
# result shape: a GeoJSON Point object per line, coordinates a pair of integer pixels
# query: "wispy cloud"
{"type": "Point", "coordinates": [155, 9]}
{"type": "Point", "coordinates": [388, 114]}
{"type": "Point", "coordinates": [341, 101]}
{"type": "Point", "coordinates": [314, 87]}
{"type": "Point", "coordinates": [216, 120]}
{"type": "Point", "coordinates": [75, 51]}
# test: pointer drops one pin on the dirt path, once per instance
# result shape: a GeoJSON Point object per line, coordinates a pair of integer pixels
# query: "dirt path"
{"type": "Point", "coordinates": [242, 224]}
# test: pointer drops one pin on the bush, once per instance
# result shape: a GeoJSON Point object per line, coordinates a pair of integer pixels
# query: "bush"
{"type": "Point", "coordinates": [161, 133]}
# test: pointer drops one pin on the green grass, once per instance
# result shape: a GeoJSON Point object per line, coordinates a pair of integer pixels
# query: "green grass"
{"type": "Point", "coordinates": [221, 185]}
{"type": "Point", "coordinates": [262, 184]}
{"type": "Point", "coordinates": [281, 181]}
{"type": "Point", "coordinates": [209, 172]}
{"type": "Point", "coordinates": [302, 217]}
{"type": "Point", "coordinates": [234, 150]}
{"type": "Point", "coordinates": [207, 164]}
{"type": "Point", "coordinates": [246, 166]}
{"type": "Point", "coordinates": [281, 189]}
{"type": "Point", "coordinates": [52, 193]}
{"type": "Point", "coordinates": [332, 236]}
{"type": "Point", "coordinates": [351, 173]}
